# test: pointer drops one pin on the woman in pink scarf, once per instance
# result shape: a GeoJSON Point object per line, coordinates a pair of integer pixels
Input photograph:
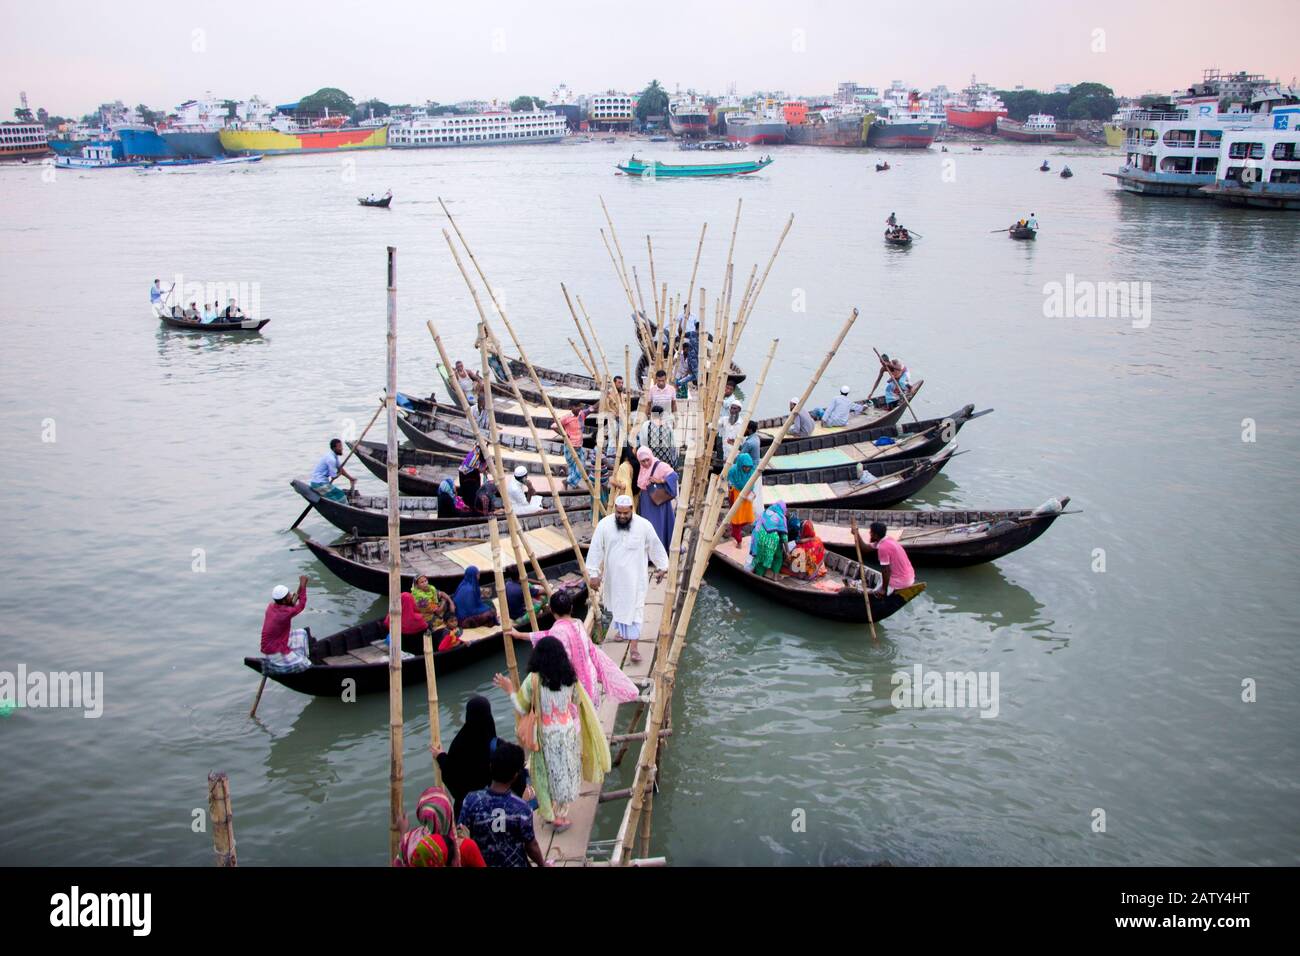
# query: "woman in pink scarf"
{"type": "Point", "coordinates": [592, 665]}
{"type": "Point", "coordinates": [657, 480]}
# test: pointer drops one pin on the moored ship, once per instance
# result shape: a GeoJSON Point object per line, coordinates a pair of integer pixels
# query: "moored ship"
{"type": "Point", "coordinates": [898, 128]}
{"type": "Point", "coordinates": [831, 126]}
{"type": "Point", "coordinates": [1038, 128]}
{"type": "Point", "coordinates": [1260, 168]}
{"type": "Point", "coordinates": [261, 130]}
{"type": "Point", "coordinates": [978, 108]}
{"type": "Point", "coordinates": [688, 116]}
{"type": "Point", "coordinates": [23, 140]}
{"type": "Point", "coordinates": [767, 127]}
{"type": "Point", "coordinates": [478, 129]}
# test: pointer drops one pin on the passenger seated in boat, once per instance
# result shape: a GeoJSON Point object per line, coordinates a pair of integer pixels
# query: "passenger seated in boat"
{"type": "Point", "coordinates": [485, 499]}
{"type": "Point", "coordinates": [192, 313]}
{"type": "Point", "coordinates": [808, 557]}
{"type": "Point", "coordinates": [524, 498]}
{"type": "Point", "coordinates": [450, 504]}
{"type": "Point", "coordinates": [209, 312]}
{"type": "Point", "coordinates": [838, 411]}
{"type": "Point", "coordinates": [330, 465]}
{"type": "Point", "coordinates": [285, 649]}
{"type": "Point", "coordinates": [895, 566]}
{"type": "Point", "coordinates": [413, 622]}
{"type": "Point", "coordinates": [515, 597]}
{"type": "Point", "coordinates": [233, 311]}
{"type": "Point", "coordinates": [438, 612]}
{"type": "Point", "coordinates": [177, 312]}
{"type": "Point", "coordinates": [771, 532]}
{"type": "Point", "coordinates": [803, 425]}
{"type": "Point", "coordinates": [471, 609]}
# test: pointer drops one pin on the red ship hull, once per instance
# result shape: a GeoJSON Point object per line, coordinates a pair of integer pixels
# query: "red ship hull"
{"type": "Point", "coordinates": [974, 119]}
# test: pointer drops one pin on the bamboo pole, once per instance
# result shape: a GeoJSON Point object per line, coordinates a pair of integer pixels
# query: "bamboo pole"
{"type": "Point", "coordinates": [613, 234]}
{"type": "Point", "coordinates": [503, 605]}
{"type": "Point", "coordinates": [604, 361]}
{"type": "Point", "coordinates": [866, 591]}
{"type": "Point", "coordinates": [351, 452]}
{"type": "Point", "coordinates": [394, 578]}
{"type": "Point", "coordinates": [622, 277]}
{"type": "Point", "coordinates": [583, 335]}
{"type": "Point", "coordinates": [435, 723]}
{"type": "Point", "coordinates": [699, 248]}
{"type": "Point", "coordinates": [223, 820]}
{"type": "Point", "coordinates": [582, 361]}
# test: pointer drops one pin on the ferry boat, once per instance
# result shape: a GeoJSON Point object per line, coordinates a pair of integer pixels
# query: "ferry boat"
{"type": "Point", "coordinates": [831, 126]}
{"type": "Point", "coordinates": [260, 129]}
{"type": "Point", "coordinates": [21, 140]}
{"type": "Point", "coordinates": [688, 116]}
{"type": "Point", "coordinates": [1039, 128]}
{"type": "Point", "coordinates": [1260, 168]}
{"type": "Point", "coordinates": [478, 129]}
{"type": "Point", "coordinates": [102, 156]}
{"type": "Point", "coordinates": [1176, 149]}
{"type": "Point", "coordinates": [978, 109]}
{"type": "Point", "coordinates": [767, 127]}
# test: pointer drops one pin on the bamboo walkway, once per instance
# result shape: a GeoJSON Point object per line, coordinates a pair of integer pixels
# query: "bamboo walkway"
{"type": "Point", "coordinates": [573, 847]}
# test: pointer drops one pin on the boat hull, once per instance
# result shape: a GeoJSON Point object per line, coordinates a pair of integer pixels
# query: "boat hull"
{"type": "Point", "coordinates": [251, 326]}
{"type": "Point", "coordinates": [690, 124]}
{"type": "Point", "coordinates": [1180, 185]}
{"type": "Point", "coordinates": [1285, 196]}
{"type": "Point", "coordinates": [641, 170]}
{"type": "Point", "coordinates": [974, 119]}
{"type": "Point", "coordinates": [273, 142]}
{"type": "Point", "coordinates": [886, 135]}
{"type": "Point", "coordinates": [842, 131]}
{"type": "Point", "coordinates": [755, 132]}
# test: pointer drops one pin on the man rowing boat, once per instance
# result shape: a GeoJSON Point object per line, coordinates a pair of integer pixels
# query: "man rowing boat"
{"type": "Point", "coordinates": [331, 465]}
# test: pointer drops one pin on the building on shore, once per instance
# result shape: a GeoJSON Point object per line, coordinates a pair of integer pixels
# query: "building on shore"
{"type": "Point", "coordinates": [611, 110]}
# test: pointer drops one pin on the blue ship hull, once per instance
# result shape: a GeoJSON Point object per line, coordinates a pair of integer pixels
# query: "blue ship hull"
{"type": "Point", "coordinates": [147, 144]}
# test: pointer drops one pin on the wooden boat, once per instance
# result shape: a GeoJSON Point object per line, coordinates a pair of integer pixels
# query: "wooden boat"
{"type": "Point", "coordinates": [658, 170]}
{"type": "Point", "coordinates": [420, 472]}
{"type": "Point", "coordinates": [508, 411]}
{"type": "Point", "coordinates": [882, 167]}
{"type": "Point", "coordinates": [455, 436]}
{"type": "Point", "coordinates": [1044, 168]}
{"type": "Point", "coordinates": [941, 538]}
{"type": "Point", "coordinates": [897, 240]}
{"type": "Point", "coordinates": [840, 487]}
{"type": "Point", "coordinates": [360, 653]}
{"type": "Point", "coordinates": [734, 374]}
{"type": "Point", "coordinates": [367, 515]}
{"type": "Point", "coordinates": [376, 203]}
{"type": "Point", "coordinates": [566, 390]}
{"type": "Point", "coordinates": [837, 595]}
{"type": "Point", "coordinates": [443, 555]}
{"type": "Point", "coordinates": [1022, 232]}
{"type": "Point", "coordinates": [911, 440]}
{"type": "Point", "coordinates": [1065, 173]}
{"type": "Point", "coordinates": [192, 325]}
{"type": "Point", "coordinates": [875, 414]}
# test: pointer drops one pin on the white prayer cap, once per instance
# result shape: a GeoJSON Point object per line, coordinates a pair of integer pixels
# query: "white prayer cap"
{"type": "Point", "coordinates": [521, 471]}
{"type": "Point", "coordinates": [623, 501]}
{"type": "Point", "coordinates": [279, 593]}
{"type": "Point", "coordinates": [844, 390]}
{"type": "Point", "coordinates": [794, 401]}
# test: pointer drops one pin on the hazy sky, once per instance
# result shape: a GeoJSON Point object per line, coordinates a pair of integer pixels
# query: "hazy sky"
{"type": "Point", "coordinates": [71, 56]}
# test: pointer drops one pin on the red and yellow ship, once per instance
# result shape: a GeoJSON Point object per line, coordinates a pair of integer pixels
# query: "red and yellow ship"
{"type": "Point", "coordinates": [312, 140]}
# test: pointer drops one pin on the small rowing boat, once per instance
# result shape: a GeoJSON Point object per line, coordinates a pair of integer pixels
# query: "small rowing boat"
{"type": "Point", "coordinates": [566, 390]}
{"type": "Point", "coordinates": [376, 203]}
{"type": "Point", "coordinates": [658, 170]}
{"type": "Point", "coordinates": [367, 515]}
{"type": "Point", "coordinates": [942, 538]}
{"type": "Point", "coordinates": [875, 414]}
{"type": "Point", "coordinates": [195, 325]}
{"type": "Point", "coordinates": [455, 436]}
{"type": "Point", "coordinates": [836, 595]}
{"type": "Point", "coordinates": [420, 472]}
{"type": "Point", "coordinates": [907, 440]}
{"type": "Point", "coordinates": [444, 555]}
{"type": "Point", "coordinates": [898, 238]}
{"type": "Point", "coordinates": [1022, 232]}
{"type": "Point", "coordinates": [888, 483]}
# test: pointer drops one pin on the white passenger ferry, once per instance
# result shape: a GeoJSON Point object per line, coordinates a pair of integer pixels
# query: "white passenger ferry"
{"type": "Point", "coordinates": [1260, 168]}
{"type": "Point", "coordinates": [478, 129]}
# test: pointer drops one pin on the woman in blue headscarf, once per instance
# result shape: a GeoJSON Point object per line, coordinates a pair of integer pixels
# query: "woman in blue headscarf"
{"type": "Point", "coordinates": [471, 609]}
{"type": "Point", "coordinates": [743, 516]}
{"type": "Point", "coordinates": [770, 535]}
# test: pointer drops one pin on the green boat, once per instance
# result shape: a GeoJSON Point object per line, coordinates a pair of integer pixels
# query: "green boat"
{"type": "Point", "coordinates": [655, 170]}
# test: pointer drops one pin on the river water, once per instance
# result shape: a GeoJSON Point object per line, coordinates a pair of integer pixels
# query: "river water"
{"type": "Point", "coordinates": [136, 456]}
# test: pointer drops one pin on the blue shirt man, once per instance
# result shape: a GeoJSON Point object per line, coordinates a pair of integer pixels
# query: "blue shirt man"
{"type": "Point", "coordinates": [500, 823]}
{"type": "Point", "coordinates": [330, 465]}
{"type": "Point", "coordinates": [838, 411]}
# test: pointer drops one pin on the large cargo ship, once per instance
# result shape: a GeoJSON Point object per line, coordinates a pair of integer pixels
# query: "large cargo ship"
{"type": "Point", "coordinates": [831, 126]}
{"type": "Point", "coordinates": [478, 129]}
{"type": "Point", "coordinates": [903, 129]}
{"type": "Point", "coordinates": [1039, 128]}
{"type": "Point", "coordinates": [688, 116]}
{"type": "Point", "coordinates": [262, 130]}
{"type": "Point", "coordinates": [977, 108]}
{"type": "Point", "coordinates": [750, 127]}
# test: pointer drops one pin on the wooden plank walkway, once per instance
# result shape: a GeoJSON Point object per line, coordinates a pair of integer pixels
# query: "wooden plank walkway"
{"type": "Point", "coordinates": [573, 847]}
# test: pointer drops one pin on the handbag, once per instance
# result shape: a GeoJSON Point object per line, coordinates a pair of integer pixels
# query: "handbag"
{"type": "Point", "coordinates": [659, 494]}
{"type": "Point", "coordinates": [527, 730]}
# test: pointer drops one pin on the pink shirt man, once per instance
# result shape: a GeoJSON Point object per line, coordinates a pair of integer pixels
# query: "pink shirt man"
{"type": "Point", "coordinates": [891, 553]}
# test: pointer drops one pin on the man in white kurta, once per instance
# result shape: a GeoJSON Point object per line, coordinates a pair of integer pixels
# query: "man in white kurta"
{"type": "Point", "coordinates": [623, 547]}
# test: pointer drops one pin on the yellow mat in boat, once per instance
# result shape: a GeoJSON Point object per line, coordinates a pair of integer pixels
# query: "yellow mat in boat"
{"type": "Point", "coordinates": [793, 494]}
{"type": "Point", "coordinates": [545, 542]}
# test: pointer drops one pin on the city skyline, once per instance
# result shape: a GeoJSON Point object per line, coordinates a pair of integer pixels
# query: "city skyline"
{"type": "Point", "coordinates": [400, 52]}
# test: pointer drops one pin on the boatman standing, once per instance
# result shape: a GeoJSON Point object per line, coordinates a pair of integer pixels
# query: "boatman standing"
{"type": "Point", "coordinates": [623, 547]}
{"type": "Point", "coordinates": [156, 297]}
{"type": "Point", "coordinates": [1033, 222]}
{"type": "Point", "coordinates": [331, 464]}
{"type": "Point", "coordinates": [895, 566]}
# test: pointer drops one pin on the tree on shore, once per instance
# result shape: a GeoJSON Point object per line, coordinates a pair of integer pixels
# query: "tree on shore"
{"type": "Point", "coordinates": [326, 98]}
{"type": "Point", "coordinates": [652, 102]}
{"type": "Point", "coordinates": [525, 103]}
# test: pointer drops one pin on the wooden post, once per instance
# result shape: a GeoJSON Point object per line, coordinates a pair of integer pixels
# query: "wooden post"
{"type": "Point", "coordinates": [222, 819]}
{"type": "Point", "coordinates": [503, 606]}
{"type": "Point", "coordinates": [394, 578]}
{"type": "Point", "coordinates": [435, 722]}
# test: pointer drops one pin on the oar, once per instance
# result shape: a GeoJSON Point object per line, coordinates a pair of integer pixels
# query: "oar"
{"type": "Point", "coordinates": [862, 575]}
{"type": "Point", "coordinates": [916, 235]}
{"type": "Point", "coordinates": [1007, 229]}
{"type": "Point", "coordinates": [351, 452]}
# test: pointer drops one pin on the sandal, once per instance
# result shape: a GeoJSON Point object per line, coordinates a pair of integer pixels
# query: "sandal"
{"type": "Point", "coordinates": [635, 656]}
{"type": "Point", "coordinates": [561, 827]}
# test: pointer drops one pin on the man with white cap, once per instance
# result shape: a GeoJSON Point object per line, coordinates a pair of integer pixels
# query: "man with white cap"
{"type": "Point", "coordinates": [284, 650]}
{"type": "Point", "coordinates": [728, 427]}
{"type": "Point", "coordinates": [803, 425]}
{"type": "Point", "coordinates": [524, 499]}
{"type": "Point", "coordinates": [622, 548]}
{"type": "Point", "coordinates": [838, 411]}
